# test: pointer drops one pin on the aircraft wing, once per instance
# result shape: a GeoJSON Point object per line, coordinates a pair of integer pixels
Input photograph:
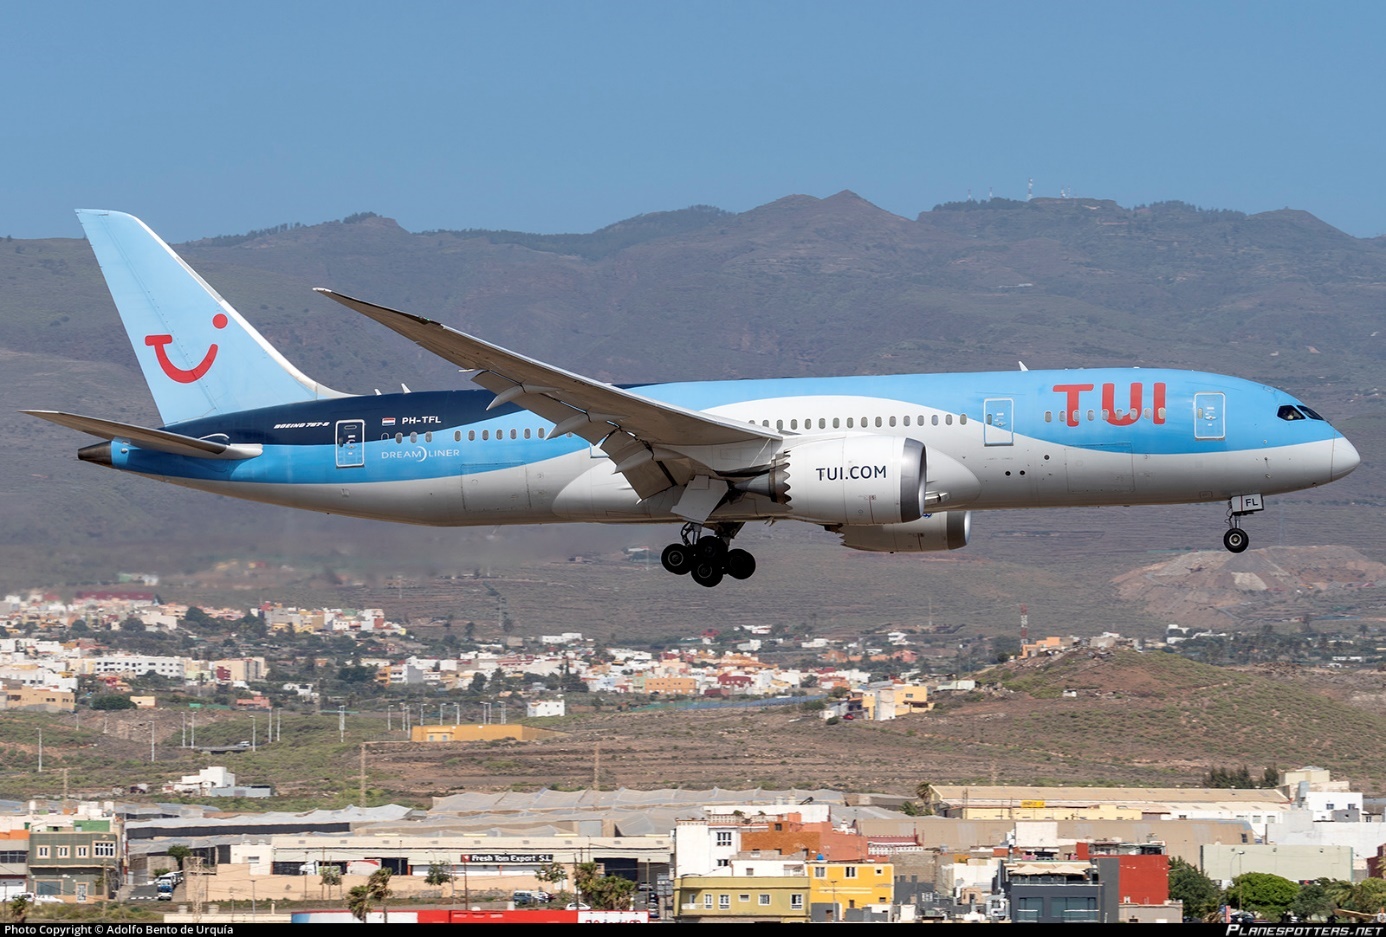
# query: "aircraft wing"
{"type": "Point", "coordinates": [643, 437]}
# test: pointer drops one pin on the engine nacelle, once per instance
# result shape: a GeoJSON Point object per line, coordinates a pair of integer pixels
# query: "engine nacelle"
{"type": "Point", "coordinates": [947, 530]}
{"type": "Point", "coordinates": [848, 480]}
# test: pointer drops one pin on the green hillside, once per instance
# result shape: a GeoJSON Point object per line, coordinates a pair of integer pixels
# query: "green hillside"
{"type": "Point", "coordinates": [1161, 711]}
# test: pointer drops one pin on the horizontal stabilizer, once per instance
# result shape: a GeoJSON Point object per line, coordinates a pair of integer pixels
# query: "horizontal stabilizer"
{"type": "Point", "coordinates": [157, 439]}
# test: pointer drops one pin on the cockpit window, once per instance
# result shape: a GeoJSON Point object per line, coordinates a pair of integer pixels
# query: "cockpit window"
{"type": "Point", "coordinates": [1288, 412]}
{"type": "Point", "coordinates": [1310, 413]}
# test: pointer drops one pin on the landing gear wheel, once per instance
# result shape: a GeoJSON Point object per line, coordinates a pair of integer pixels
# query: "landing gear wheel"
{"type": "Point", "coordinates": [677, 558]}
{"type": "Point", "coordinates": [740, 564]}
{"type": "Point", "coordinates": [711, 548]}
{"type": "Point", "coordinates": [707, 574]}
{"type": "Point", "coordinates": [1236, 540]}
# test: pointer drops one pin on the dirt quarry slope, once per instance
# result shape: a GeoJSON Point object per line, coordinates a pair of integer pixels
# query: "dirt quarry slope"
{"type": "Point", "coordinates": [1219, 590]}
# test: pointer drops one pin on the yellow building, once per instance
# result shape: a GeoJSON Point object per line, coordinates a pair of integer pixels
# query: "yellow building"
{"type": "Point", "coordinates": [487, 733]}
{"type": "Point", "coordinates": [898, 699]}
{"type": "Point", "coordinates": [912, 697]}
{"type": "Point", "coordinates": [781, 899]}
{"type": "Point", "coordinates": [837, 887]}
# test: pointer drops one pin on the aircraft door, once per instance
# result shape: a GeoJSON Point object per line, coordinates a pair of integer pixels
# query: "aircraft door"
{"type": "Point", "coordinates": [351, 443]}
{"type": "Point", "coordinates": [1210, 418]}
{"type": "Point", "coordinates": [998, 428]}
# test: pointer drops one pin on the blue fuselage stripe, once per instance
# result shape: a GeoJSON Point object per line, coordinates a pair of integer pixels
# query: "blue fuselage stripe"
{"type": "Point", "coordinates": [1155, 411]}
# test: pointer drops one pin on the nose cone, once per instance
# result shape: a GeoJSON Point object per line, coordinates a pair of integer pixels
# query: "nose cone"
{"type": "Point", "coordinates": [1345, 459]}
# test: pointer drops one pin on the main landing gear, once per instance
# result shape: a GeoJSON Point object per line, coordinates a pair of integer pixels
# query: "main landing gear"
{"type": "Point", "coordinates": [707, 558]}
{"type": "Point", "coordinates": [1236, 540]}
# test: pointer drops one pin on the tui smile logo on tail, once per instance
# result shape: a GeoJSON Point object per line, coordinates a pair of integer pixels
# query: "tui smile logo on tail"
{"type": "Point", "coordinates": [184, 376]}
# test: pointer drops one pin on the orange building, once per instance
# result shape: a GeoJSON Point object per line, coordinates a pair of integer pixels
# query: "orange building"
{"type": "Point", "coordinates": [789, 835]}
{"type": "Point", "coordinates": [671, 686]}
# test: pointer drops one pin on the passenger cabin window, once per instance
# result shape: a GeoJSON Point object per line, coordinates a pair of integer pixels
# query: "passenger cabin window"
{"type": "Point", "coordinates": [948, 419]}
{"type": "Point", "coordinates": [962, 419]}
{"type": "Point", "coordinates": [892, 421]}
{"type": "Point", "coordinates": [399, 437]}
{"type": "Point", "coordinates": [486, 434]}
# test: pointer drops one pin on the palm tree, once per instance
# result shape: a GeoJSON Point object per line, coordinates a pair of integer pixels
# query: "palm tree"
{"type": "Point", "coordinates": [331, 875]}
{"type": "Point", "coordinates": [925, 793]}
{"type": "Point", "coordinates": [359, 902]}
{"type": "Point", "coordinates": [378, 885]}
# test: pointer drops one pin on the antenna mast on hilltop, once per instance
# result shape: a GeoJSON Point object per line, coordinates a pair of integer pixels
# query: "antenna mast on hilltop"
{"type": "Point", "coordinates": [1024, 625]}
{"type": "Point", "coordinates": [1030, 189]}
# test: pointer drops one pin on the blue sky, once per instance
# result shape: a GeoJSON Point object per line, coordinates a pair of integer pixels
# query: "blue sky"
{"type": "Point", "coordinates": [212, 119]}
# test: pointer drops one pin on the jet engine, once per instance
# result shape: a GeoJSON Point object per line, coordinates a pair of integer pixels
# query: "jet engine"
{"type": "Point", "coordinates": [848, 480]}
{"type": "Point", "coordinates": [946, 530]}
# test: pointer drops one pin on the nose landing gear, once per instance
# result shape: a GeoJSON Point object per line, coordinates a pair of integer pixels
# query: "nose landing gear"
{"type": "Point", "coordinates": [707, 558]}
{"type": "Point", "coordinates": [1236, 540]}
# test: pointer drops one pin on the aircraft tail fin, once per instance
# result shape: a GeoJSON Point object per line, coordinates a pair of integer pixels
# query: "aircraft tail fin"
{"type": "Point", "coordinates": [198, 355]}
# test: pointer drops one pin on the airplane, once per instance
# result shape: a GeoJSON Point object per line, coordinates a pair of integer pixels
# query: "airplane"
{"type": "Point", "coordinates": [891, 463]}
